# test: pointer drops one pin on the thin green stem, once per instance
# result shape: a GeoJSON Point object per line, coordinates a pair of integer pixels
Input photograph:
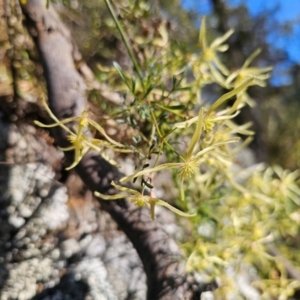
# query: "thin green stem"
{"type": "Point", "coordinates": [173, 150]}
{"type": "Point", "coordinates": [125, 40]}
{"type": "Point", "coordinates": [159, 151]}
{"type": "Point", "coordinates": [155, 122]}
{"type": "Point", "coordinates": [169, 110]}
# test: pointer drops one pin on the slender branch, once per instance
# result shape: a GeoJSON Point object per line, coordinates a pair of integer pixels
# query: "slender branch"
{"type": "Point", "coordinates": [126, 42]}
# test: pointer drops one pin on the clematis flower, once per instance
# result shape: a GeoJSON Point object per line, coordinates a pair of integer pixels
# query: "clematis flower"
{"type": "Point", "coordinates": [285, 185]}
{"type": "Point", "coordinates": [259, 75]}
{"type": "Point", "coordinates": [206, 119]}
{"type": "Point", "coordinates": [209, 55]}
{"type": "Point", "coordinates": [190, 162]}
{"type": "Point", "coordinates": [245, 72]}
{"type": "Point", "coordinates": [81, 143]}
{"type": "Point", "coordinates": [210, 118]}
{"type": "Point", "coordinates": [141, 200]}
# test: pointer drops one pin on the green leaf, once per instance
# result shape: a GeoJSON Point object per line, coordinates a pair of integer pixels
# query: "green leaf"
{"type": "Point", "coordinates": [150, 88]}
{"type": "Point", "coordinates": [184, 88]}
{"type": "Point", "coordinates": [174, 82]}
{"type": "Point", "coordinates": [133, 84]}
{"type": "Point", "coordinates": [119, 70]}
{"type": "Point", "coordinates": [177, 107]}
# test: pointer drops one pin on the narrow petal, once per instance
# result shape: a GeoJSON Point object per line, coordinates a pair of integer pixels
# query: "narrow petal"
{"type": "Point", "coordinates": [125, 189]}
{"type": "Point", "coordinates": [196, 135]}
{"type": "Point", "coordinates": [226, 117]}
{"type": "Point", "coordinates": [67, 148]}
{"type": "Point", "coordinates": [232, 93]}
{"type": "Point", "coordinates": [79, 153]}
{"type": "Point", "coordinates": [54, 124]}
{"type": "Point", "coordinates": [221, 158]}
{"type": "Point", "coordinates": [232, 76]}
{"type": "Point", "coordinates": [54, 118]}
{"type": "Point", "coordinates": [258, 82]}
{"type": "Point", "coordinates": [202, 35]}
{"type": "Point", "coordinates": [187, 123]}
{"type": "Point", "coordinates": [202, 152]}
{"type": "Point", "coordinates": [257, 71]}
{"type": "Point", "coordinates": [220, 66]}
{"type": "Point", "coordinates": [240, 129]}
{"type": "Point", "coordinates": [243, 145]}
{"type": "Point", "coordinates": [236, 105]}
{"type": "Point", "coordinates": [217, 42]}
{"type": "Point", "coordinates": [249, 60]}
{"type": "Point", "coordinates": [223, 48]}
{"type": "Point", "coordinates": [173, 209]}
{"type": "Point", "coordinates": [151, 170]}
{"type": "Point", "coordinates": [102, 131]}
{"type": "Point", "coordinates": [103, 143]}
{"type": "Point", "coordinates": [216, 74]}
{"type": "Point", "coordinates": [109, 197]}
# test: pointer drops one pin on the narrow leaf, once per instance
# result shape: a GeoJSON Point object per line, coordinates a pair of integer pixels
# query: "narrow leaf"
{"type": "Point", "coordinates": [119, 70]}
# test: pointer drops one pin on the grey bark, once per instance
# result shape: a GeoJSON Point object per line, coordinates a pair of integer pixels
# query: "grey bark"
{"type": "Point", "coordinates": [160, 256]}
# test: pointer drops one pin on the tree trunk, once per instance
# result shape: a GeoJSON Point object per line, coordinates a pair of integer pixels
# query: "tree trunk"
{"type": "Point", "coordinates": [44, 230]}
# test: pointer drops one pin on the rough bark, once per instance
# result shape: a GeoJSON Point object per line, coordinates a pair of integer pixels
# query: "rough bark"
{"type": "Point", "coordinates": [55, 244]}
{"type": "Point", "coordinates": [161, 257]}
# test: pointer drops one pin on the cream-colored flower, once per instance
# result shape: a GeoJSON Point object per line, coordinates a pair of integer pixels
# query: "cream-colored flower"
{"type": "Point", "coordinates": [260, 75]}
{"type": "Point", "coordinates": [190, 162]}
{"type": "Point", "coordinates": [210, 117]}
{"type": "Point", "coordinates": [81, 143]}
{"type": "Point", "coordinates": [141, 200]}
{"type": "Point", "coordinates": [209, 56]}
